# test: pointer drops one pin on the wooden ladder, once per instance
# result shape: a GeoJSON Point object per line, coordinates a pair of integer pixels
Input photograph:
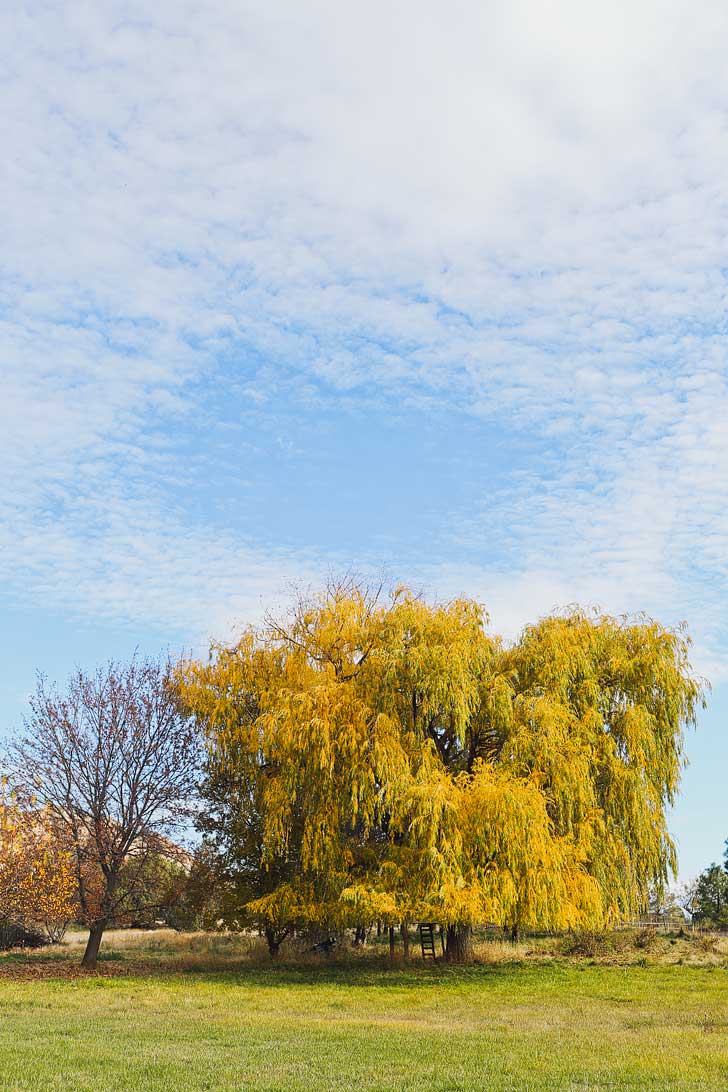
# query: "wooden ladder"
{"type": "Point", "coordinates": [427, 940]}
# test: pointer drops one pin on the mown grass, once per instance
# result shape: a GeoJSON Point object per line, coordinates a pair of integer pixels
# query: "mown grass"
{"type": "Point", "coordinates": [218, 1024]}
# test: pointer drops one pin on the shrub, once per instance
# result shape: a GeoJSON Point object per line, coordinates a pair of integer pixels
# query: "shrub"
{"type": "Point", "coordinates": [13, 935]}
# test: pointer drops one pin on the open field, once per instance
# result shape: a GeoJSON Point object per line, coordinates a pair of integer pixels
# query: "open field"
{"type": "Point", "coordinates": [195, 1013]}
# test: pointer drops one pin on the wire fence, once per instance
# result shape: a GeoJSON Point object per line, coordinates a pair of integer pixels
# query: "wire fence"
{"type": "Point", "coordinates": [669, 925]}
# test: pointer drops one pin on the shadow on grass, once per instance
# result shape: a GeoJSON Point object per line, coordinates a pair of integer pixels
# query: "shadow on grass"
{"type": "Point", "coordinates": [375, 972]}
{"type": "Point", "coordinates": [363, 975]}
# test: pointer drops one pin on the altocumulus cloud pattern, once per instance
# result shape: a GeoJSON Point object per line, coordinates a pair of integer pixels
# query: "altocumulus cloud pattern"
{"type": "Point", "coordinates": [456, 271]}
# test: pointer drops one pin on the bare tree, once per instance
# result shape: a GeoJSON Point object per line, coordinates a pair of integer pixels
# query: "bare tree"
{"type": "Point", "coordinates": [686, 897]}
{"type": "Point", "coordinates": [115, 760]}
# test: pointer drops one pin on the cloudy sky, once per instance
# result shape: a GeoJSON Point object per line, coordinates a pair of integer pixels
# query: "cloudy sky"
{"type": "Point", "coordinates": [435, 289]}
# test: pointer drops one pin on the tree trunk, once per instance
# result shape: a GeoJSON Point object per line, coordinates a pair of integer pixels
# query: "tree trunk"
{"type": "Point", "coordinates": [273, 943]}
{"type": "Point", "coordinates": [459, 944]}
{"type": "Point", "coordinates": [515, 936]}
{"type": "Point", "coordinates": [405, 940]}
{"type": "Point", "coordinates": [391, 942]}
{"type": "Point", "coordinates": [92, 947]}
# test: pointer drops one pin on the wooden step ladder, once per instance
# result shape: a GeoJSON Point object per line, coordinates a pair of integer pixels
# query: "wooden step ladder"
{"type": "Point", "coordinates": [427, 940]}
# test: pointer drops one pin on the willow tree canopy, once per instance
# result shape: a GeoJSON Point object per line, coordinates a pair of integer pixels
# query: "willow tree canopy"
{"type": "Point", "coordinates": [401, 762]}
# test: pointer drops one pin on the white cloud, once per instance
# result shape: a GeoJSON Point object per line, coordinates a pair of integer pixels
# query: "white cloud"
{"type": "Point", "coordinates": [514, 210]}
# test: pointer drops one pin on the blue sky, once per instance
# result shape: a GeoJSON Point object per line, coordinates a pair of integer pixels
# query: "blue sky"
{"type": "Point", "coordinates": [435, 290]}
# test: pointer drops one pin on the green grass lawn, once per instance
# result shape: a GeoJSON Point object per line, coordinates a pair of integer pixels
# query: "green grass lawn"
{"type": "Point", "coordinates": [508, 1026]}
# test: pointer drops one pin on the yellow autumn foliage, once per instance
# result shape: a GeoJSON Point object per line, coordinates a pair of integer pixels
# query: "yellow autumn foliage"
{"type": "Point", "coordinates": [405, 764]}
{"type": "Point", "coordinates": [37, 883]}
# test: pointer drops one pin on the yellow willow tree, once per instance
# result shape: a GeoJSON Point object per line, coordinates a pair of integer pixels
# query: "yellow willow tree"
{"type": "Point", "coordinates": [396, 761]}
{"type": "Point", "coordinates": [300, 766]}
{"type": "Point", "coordinates": [599, 710]}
